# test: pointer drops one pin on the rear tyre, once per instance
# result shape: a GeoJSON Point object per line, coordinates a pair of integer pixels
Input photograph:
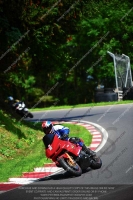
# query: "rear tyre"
{"type": "Point", "coordinates": [96, 163]}
{"type": "Point", "coordinates": [72, 169]}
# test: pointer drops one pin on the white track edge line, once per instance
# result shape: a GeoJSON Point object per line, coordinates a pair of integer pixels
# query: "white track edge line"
{"type": "Point", "coordinates": [104, 132]}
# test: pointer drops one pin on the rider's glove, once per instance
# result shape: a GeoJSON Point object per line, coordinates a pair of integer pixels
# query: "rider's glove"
{"type": "Point", "coordinates": [80, 144]}
{"type": "Point", "coordinates": [64, 137]}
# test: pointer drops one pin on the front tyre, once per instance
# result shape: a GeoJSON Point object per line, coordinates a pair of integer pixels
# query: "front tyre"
{"type": "Point", "coordinates": [30, 115]}
{"type": "Point", "coordinates": [72, 169]}
{"type": "Point", "coordinates": [96, 163]}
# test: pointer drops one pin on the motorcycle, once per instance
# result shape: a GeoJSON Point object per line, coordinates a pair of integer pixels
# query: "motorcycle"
{"type": "Point", "coordinates": [69, 156]}
{"type": "Point", "coordinates": [24, 112]}
{"type": "Point", "coordinates": [20, 109]}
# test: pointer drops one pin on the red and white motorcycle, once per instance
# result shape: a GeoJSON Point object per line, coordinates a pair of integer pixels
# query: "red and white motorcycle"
{"type": "Point", "coordinates": [69, 156]}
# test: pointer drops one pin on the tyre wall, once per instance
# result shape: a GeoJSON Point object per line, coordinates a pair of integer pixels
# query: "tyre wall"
{"type": "Point", "coordinates": [105, 95]}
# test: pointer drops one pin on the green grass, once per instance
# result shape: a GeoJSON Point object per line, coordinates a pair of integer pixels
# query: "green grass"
{"type": "Point", "coordinates": [21, 146]}
{"type": "Point", "coordinates": [79, 131]}
{"type": "Point", "coordinates": [52, 107]}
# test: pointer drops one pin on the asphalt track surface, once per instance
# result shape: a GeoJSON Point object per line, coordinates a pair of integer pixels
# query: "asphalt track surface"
{"type": "Point", "coordinates": [116, 155]}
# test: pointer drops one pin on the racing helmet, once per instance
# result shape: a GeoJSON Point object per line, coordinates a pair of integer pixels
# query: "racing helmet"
{"type": "Point", "coordinates": [10, 98]}
{"type": "Point", "coordinates": [47, 127]}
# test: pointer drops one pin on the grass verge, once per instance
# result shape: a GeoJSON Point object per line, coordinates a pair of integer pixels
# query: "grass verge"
{"type": "Point", "coordinates": [82, 105]}
{"type": "Point", "coordinates": [21, 146]}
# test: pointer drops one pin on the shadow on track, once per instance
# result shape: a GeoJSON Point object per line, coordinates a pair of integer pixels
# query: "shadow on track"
{"type": "Point", "coordinates": [65, 175]}
{"type": "Point", "coordinates": [78, 117]}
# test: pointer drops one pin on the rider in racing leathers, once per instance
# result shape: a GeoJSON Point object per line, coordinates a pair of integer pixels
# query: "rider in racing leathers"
{"type": "Point", "coordinates": [63, 133]}
{"type": "Point", "coordinates": [16, 105]}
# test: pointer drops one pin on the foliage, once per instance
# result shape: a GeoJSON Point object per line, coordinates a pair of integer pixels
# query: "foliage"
{"type": "Point", "coordinates": [66, 41]}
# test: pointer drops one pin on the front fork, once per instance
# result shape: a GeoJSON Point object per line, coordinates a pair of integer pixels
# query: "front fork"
{"type": "Point", "coordinates": [68, 157]}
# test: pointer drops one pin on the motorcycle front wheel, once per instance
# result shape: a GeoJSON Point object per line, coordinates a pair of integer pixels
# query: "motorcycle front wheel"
{"type": "Point", "coordinates": [73, 169]}
{"type": "Point", "coordinates": [30, 115]}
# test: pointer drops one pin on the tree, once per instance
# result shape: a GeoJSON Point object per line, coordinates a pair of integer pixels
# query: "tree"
{"type": "Point", "coordinates": [44, 43]}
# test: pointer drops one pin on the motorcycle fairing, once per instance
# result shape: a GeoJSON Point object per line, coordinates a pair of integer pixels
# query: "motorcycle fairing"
{"type": "Point", "coordinates": [57, 146]}
{"type": "Point", "coordinates": [25, 109]}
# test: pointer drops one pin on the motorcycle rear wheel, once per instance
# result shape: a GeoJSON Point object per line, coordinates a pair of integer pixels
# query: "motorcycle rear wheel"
{"type": "Point", "coordinates": [74, 170]}
{"type": "Point", "coordinates": [96, 163]}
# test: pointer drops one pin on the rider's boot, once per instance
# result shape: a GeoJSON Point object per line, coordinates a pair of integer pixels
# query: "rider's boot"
{"type": "Point", "coordinates": [88, 151]}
